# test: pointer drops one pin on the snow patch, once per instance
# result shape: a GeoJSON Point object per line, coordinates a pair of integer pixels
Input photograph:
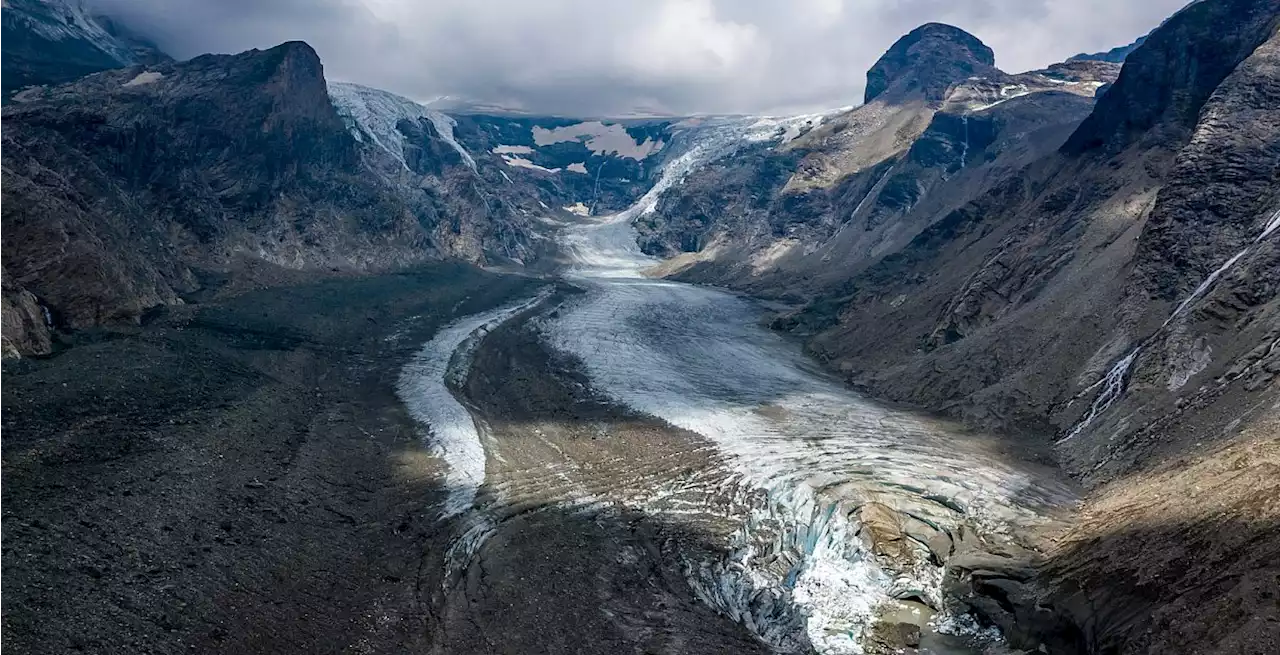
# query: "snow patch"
{"type": "Point", "coordinates": [521, 162]}
{"type": "Point", "coordinates": [601, 139]}
{"type": "Point", "coordinates": [147, 77]}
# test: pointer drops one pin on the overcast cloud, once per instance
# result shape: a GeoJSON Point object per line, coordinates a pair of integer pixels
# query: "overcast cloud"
{"type": "Point", "coordinates": [600, 57]}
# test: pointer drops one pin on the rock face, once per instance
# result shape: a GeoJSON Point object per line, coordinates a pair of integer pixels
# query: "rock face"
{"type": "Point", "coordinates": [927, 61]}
{"type": "Point", "coordinates": [1166, 82]}
{"type": "Point", "coordinates": [26, 328]}
{"type": "Point", "coordinates": [801, 219]}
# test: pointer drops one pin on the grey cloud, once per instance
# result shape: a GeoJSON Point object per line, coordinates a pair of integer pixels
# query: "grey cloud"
{"type": "Point", "coordinates": [595, 57]}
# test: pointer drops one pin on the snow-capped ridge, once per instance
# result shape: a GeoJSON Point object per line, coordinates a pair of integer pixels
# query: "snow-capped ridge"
{"type": "Point", "coordinates": [372, 115]}
{"type": "Point", "coordinates": [72, 20]}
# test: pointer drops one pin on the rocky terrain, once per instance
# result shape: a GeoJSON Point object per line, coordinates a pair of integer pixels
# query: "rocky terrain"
{"type": "Point", "coordinates": [234, 476]}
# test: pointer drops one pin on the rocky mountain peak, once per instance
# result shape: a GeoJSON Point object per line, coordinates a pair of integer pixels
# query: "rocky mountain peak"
{"type": "Point", "coordinates": [294, 72]}
{"type": "Point", "coordinates": [927, 61]}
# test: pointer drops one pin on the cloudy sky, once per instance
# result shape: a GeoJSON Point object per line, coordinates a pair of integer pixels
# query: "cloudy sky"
{"type": "Point", "coordinates": [601, 57]}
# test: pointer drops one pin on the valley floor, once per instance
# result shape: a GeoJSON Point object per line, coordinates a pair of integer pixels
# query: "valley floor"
{"type": "Point", "coordinates": [236, 476]}
{"type": "Point", "coordinates": [241, 476]}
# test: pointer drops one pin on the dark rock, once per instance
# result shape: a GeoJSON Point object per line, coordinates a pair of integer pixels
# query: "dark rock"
{"type": "Point", "coordinates": [1166, 81]}
{"type": "Point", "coordinates": [26, 330]}
{"type": "Point", "coordinates": [1115, 55]}
{"type": "Point", "coordinates": [926, 62]}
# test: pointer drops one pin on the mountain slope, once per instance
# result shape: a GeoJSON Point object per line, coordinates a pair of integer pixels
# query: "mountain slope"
{"type": "Point", "coordinates": [802, 218]}
{"type": "Point", "coordinates": [56, 41]}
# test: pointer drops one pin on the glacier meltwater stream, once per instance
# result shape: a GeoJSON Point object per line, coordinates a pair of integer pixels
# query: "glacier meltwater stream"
{"type": "Point", "coordinates": [808, 464]}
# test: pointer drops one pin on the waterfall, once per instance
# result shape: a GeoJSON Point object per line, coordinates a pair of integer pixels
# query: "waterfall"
{"type": "Point", "coordinates": [1114, 383]}
{"type": "Point", "coordinates": [964, 151]}
{"type": "Point", "coordinates": [1113, 386]}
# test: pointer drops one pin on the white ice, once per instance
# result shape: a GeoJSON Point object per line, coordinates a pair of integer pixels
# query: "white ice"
{"type": "Point", "coordinates": [424, 388]}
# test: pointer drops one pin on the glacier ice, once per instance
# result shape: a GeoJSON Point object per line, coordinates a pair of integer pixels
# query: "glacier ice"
{"type": "Point", "coordinates": [423, 387]}
{"type": "Point", "coordinates": [373, 114]}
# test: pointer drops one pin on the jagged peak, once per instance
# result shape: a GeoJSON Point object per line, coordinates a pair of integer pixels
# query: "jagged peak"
{"type": "Point", "coordinates": [926, 61]}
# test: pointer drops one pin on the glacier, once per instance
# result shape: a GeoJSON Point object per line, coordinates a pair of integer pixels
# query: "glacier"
{"type": "Point", "coordinates": [372, 115]}
{"type": "Point", "coordinates": [806, 452]}
{"type": "Point", "coordinates": [798, 456]}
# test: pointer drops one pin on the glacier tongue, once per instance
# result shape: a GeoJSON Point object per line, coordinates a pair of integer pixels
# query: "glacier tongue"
{"type": "Point", "coordinates": [806, 453]}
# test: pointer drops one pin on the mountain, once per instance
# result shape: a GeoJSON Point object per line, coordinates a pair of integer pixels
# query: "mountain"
{"type": "Point", "coordinates": [516, 167]}
{"type": "Point", "coordinates": [1092, 275]}
{"type": "Point", "coordinates": [1082, 260]}
{"type": "Point", "coordinates": [1116, 55]}
{"type": "Point", "coordinates": [927, 62]}
{"type": "Point", "coordinates": [56, 41]}
{"type": "Point", "coordinates": [135, 187]}
{"type": "Point", "coordinates": [144, 185]}
{"type": "Point", "coordinates": [773, 220]}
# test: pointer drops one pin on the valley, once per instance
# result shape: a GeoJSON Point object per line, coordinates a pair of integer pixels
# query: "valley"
{"type": "Point", "coordinates": [986, 364]}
